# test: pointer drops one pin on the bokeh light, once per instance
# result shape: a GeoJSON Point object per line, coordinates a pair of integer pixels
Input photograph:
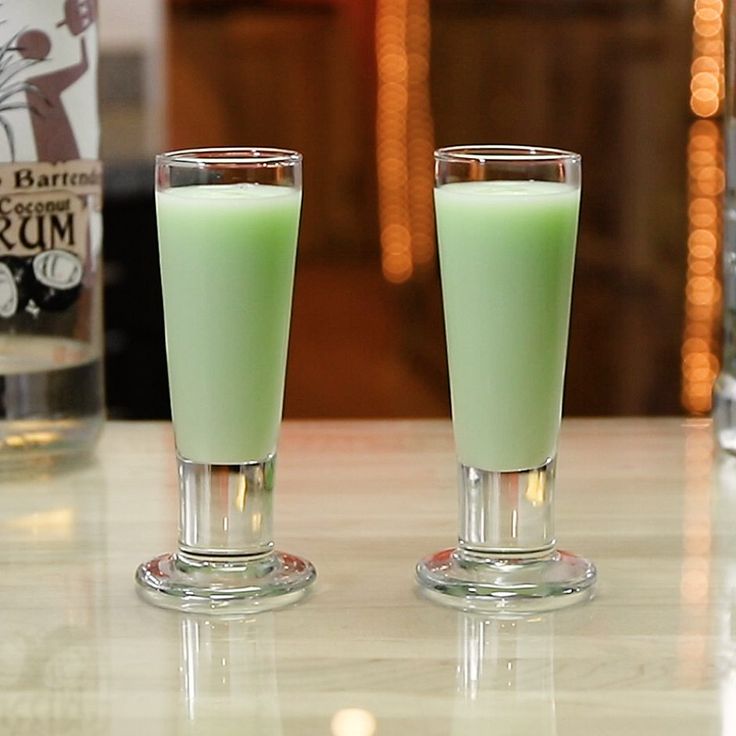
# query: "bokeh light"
{"type": "Point", "coordinates": [405, 137]}
{"type": "Point", "coordinates": [706, 181]}
{"type": "Point", "coordinates": [353, 722]}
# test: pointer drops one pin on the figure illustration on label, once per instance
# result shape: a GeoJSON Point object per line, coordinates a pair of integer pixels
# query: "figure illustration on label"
{"type": "Point", "coordinates": [52, 130]}
{"type": "Point", "coordinates": [47, 245]}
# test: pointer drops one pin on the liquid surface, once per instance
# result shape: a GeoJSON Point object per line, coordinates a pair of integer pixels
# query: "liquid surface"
{"type": "Point", "coordinates": [227, 265]}
{"type": "Point", "coordinates": [506, 256]}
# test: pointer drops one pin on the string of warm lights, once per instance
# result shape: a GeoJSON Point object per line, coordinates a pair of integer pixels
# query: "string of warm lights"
{"type": "Point", "coordinates": [700, 346]}
{"type": "Point", "coordinates": [420, 142]}
{"type": "Point", "coordinates": [405, 138]}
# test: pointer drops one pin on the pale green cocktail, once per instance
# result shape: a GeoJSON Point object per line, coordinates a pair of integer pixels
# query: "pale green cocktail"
{"type": "Point", "coordinates": [506, 256]}
{"type": "Point", "coordinates": [228, 222]}
{"type": "Point", "coordinates": [507, 221]}
{"type": "Point", "coordinates": [227, 265]}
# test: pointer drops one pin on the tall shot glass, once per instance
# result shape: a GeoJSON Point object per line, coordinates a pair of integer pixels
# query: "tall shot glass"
{"type": "Point", "coordinates": [228, 222]}
{"type": "Point", "coordinates": [507, 227]}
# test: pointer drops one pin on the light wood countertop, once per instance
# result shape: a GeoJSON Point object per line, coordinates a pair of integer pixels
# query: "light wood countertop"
{"type": "Point", "coordinates": [654, 653]}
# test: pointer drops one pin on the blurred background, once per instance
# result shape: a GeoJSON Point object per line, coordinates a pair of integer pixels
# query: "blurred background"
{"type": "Point", "coordinates": [366, 89]}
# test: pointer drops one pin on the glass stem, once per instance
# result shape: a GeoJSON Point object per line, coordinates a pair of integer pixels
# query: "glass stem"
{"type": "Point", "coordinates": [506, 514]}
{"type": "Point", "coordinates": [226, 510]}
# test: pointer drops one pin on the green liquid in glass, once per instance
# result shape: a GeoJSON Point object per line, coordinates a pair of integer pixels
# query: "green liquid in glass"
{"type": "Point", "coordinates": [506, 256]}
{"type": "Point", "coordinates": [227, 265]}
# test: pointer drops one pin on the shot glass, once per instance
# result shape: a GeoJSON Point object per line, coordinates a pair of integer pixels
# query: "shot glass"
{"type": "Point", "coordinates": [507, 227]}
{"type": "Point", "coordinates": [228, 222]}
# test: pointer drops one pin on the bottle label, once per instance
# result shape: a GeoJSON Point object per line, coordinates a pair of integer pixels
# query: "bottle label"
{"type": "Point", "coordinates": [50, 178]}
{"type": "Point", "coordinates": [45, 206]}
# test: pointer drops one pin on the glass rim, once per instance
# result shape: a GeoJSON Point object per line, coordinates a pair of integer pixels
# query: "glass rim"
{"type": "Point", "coordinates": [503, 153]}
{"type": "Point", "coordinates": [229, 156]}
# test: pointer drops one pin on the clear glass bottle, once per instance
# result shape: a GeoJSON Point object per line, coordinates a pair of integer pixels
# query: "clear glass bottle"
{"type": "Point", "coordinates": [51, 357]}
{"type": "Point", "coordinates": [724, 399]}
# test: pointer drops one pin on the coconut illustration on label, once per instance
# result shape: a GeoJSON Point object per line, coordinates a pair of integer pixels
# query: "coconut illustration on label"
{"type": "Point", "coordinates": [8, 292]}
{"type": "Point", "coordinates": [58, 275]}
{"type": "Point", "coordinates": [16, 284]}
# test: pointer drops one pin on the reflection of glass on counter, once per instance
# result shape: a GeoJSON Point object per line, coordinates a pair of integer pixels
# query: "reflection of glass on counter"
{"type": "Point", "coordinates": [55, 647]}
{"type": "Point", "coordinates": [505, 676]}
{"type": "Point", "coordinates": [724, 519]}
{"type": "Point", "coordinates": [228, 676]}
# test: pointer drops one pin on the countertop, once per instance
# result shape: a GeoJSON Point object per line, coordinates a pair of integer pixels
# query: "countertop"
{"type": "Point", "coordinates": [654, 653]}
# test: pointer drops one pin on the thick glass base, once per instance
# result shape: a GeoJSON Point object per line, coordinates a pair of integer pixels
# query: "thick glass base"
{"type": "Point", "coordinates": [475, 581]}
{"type": "Point", "coordinates": [225, 560]}
{"type": "Point", "coordinates": [241, 585]}
{"type": "Point", "coordinates": [506, 559]}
